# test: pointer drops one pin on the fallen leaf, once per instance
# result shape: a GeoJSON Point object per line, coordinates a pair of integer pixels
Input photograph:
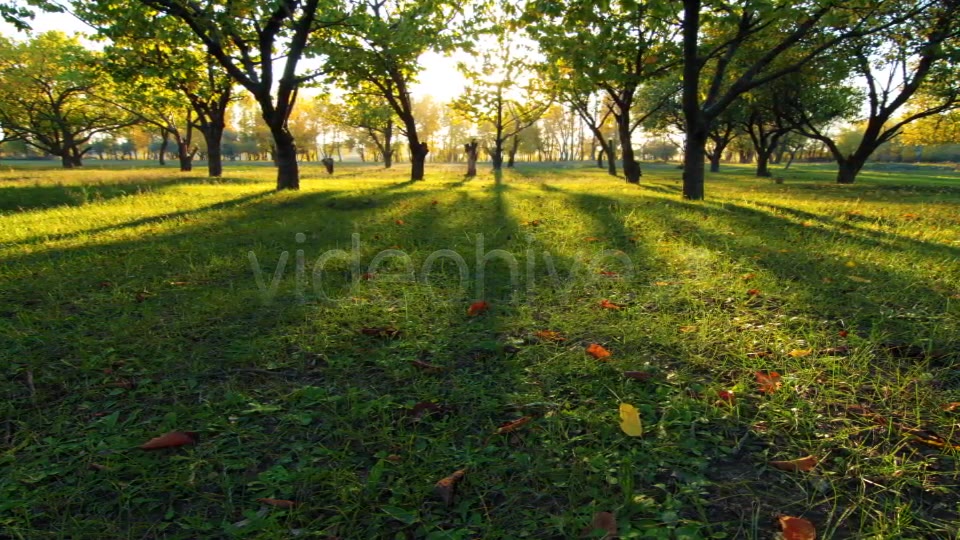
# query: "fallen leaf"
{"type": "Point", "coordinates": [800, 353]}
{"type": "Point", "coordinates": [910, 216]}
{"type": "Point", "coordinates": [769, 383]}
{"type": "Point", "coordinates": [591, 239]}
{"type": "Point", "coordinates": [597, 351]}
{"type": "Point", "coordinates": [426, 366]}
{"type": "Point", "coordinates": [758, 354]}
{"type": "Point", "coordinates": [952, 406]}
{"type": "Point", "coordinates": [753, 292]}
{"type": "Point", "coordinates": [807, 224]}
{"type": "Point", "coordinates": [381, 331]}
{"type": "Point", "coordinates": [423, 408]}
{"type": "Point", "coordinates": [179, 283]}
{"type": "Point", "coordinates": [834, 351]}
{"type": "Point", "coordinates": [630, 420]}
{"type": "Point", "coordinates": [513, 425]}
{"type": "Point", "coordinates": [367, 276]}
{"type": "Point", "coordinates": [688, 329]}
{"type": "Point", "coordinates": [279, 503]}
{"type": "Point", "coordinates": [662, 283]}
{"type": "Point", "coordinates": [608, 273]}
{"type": "Point", "coordinates": [606, 304]}
{"type": "Point", "coordinates": [803, 464]}
{"type": "Point", "coordinates": [477, 308]}
{"type": "Point", "coordinates": [859, 279]}
{"type": "Point", "coordinates": [748, 277]}
{"type": "Point", "coordinates": [435, 202]}
{"type": "Point", "coordinates": [602, 521]}
{"type": "Point", "coordinates": [827, 280]}
{"type": "Point", "coordinates": [638, 375]}
{"type": "Point", "coordinates": [170, 440]}
{"type": "Point", "coordinates": [726, 395]}
{"type": "Point", "coordinates": [797, 529]}
{"type": "Point", "coordinates": [844, 333]}
{"type": "Point", "coordinates": [446, 488]}
{"type": "Point", "coordinates": [850, 264]}
{"type": "Point", "coordinates": [550, 335]}
{"type": "Point", "coordinates": [399, 222]}
{"type": "Point", "coordinates": [105, 284]}
{"type": "Point", "coordinates": [393, 458]}
{"type": "Point", "coordinates": [534, 223]}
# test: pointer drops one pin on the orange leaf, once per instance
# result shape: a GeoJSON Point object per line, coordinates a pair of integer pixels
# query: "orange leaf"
{"type": "Point", "coordinates": [952, 406]}
{"type": "Point", "coordinates": [602, 521]}
{"type": "Point", "coordinates": [170, 440]}
{"type": "Point", "coordinates": [844, 333]}
{"type": "Point", "coordinates": [768, 383]}
{"type": "Point", "coordinates": [803, 464]}
{"type": "Point", "coordinates": [399, 222]}
{"type": "Point", "coordinates": [606, 304]}
{"type": "Point", "coordinates": [638, 375]}
{"type": "Point", "coordinates": [797, 529]}
{"type": "Point", "coordinates": [477, 308]}
{"type": "Point", "coordinates": [597, 351]}
{"type": "Point", "coordinates": [446, 488]}
{"type": "Point", "coordinates": [426, 366]}
{"type": "Point", "coordinates": [550, 335]}
{"type": "Point", "coordinates": [591, 239]}
{"type": "Point", "coordinates": [279, 503]}
{"type": "Point", "coordinates": [688, 329]}
{"type": "Point", "coordinates": [513, 425]}
{"type": "Point", "coordinates": [753, 292]}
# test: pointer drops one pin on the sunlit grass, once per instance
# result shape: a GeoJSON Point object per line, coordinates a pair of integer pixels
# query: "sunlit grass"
{"type": "Point", "coordinates": [128, 308]}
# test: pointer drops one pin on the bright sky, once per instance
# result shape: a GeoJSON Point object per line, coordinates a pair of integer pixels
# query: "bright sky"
{"type": "Point", "coordinates": [439, 79]}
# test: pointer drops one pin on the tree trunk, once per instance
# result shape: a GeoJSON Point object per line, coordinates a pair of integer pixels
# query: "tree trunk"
{"type": "Point", "coordinates": [66, 160]}
{"type": "Point", "coordinates": [848, 170]}
{"type": "Point", "coordinates": [611, 152]}
{"type": "Point", "coordinates": [496, 156]}
{"type": "Point", "coordinates": [418, 157]}
{"type": "Point", "coordinates": [714, 161]}
{"type": "Point", "coordinates": [763, 160]}
{"type": "Point", "coordinates": [285, 156]}
{"type": "Point", "coordinates": [164, 141]}
{"type": "Point", "coordinates": [600, 158]}
{"type": "Point", "coordinates": [184, 156]}
{"type": "Point", "coordinates": [213, 136]}
{"type": "Point", "coordinates": [512, 153]}
{"type": "Point", "coordinates": [471, 150]}
{"type": "Point", "coordinates": [693, 166]}
{"type": "Point", "coordinates": [631, 167]}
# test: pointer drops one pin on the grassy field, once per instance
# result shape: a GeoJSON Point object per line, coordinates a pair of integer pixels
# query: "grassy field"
{"type": "Point", "coordinates": [129, 308]}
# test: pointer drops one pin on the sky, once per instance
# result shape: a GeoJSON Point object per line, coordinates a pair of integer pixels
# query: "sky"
{"type": "Point", "coordinates": [439, 79]}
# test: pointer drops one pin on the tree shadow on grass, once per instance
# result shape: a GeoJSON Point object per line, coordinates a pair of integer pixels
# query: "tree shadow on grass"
{"type": "Point", "coordinates": [24, 198]}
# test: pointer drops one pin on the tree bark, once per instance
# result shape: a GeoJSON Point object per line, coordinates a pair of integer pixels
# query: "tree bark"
{"type": "Point", "coordinates": [695, 124]}
{"type": "Point", "coordinates": [471, 150]}
{"type": "Point", "coordinates": [418, 158]}
{"type": "Point", "coordinates": [611, 151]}
{"type": "Point", "coordinates": [848, 169]}
{"type": "Point", "coordinates": [512, 153]}
{"type": "Point", "coordinates": [213, 136]}
{"type": "Point", "coordinates": [693, 164]}
{"type": "Point", "coordinates": [285, 157]}
{"type": "Point", "coordinates": [763, 160]}
{"type": "Point", "coordinates": [66, 160]}
{"type": "Point", "coordinates": [184, 156]}
{"type": "Point", "coordinates": [164, 141]}
{"type": "Point", "coordinates": [714, 161]}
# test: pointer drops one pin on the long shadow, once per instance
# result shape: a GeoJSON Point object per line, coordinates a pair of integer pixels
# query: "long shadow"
{"type": "Point", "coordinates": [20, 198]}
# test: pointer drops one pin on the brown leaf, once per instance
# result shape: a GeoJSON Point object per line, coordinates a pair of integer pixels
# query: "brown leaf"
{"type": "Point", "coordinates": [688, 329]}
{"type": "Point", "coordinates": [769, 383]}
{"type": "Point", "coordinates": [591, 239]}
{"type": "Point", "coordinates": [952, 406]}
{"type": "Point", "coordinates": [597, 351]}
{"type": "Point", "coordinates": [446, 488]}
{"type": "Point", "coordinates": [797, 529]}
{"type": "Point", "coordinates": [602, 521]}
{"type": "Point", "coordinates": [748, 277]}
{"type": "Point", "coordinates": [726, 395]}
{"type": "Point", "coordinates": [426, 366]}
{"type": "Point", "coordinates": [550, 335]}
{"type": "Point", "coordinates": [638, 375]}
{"type": "Point", "coordinates": [381, 331]}
{"type": "Point", "coordinates": [423, 408]}
{"type": "Point", "coordinates": [803, 464]}
{"type": "Point", "coordinates": [608, 273]}
{"type": "Point", "coordinates": [753, 292]}
{"type": "Point", "coordinates": [170, 440]}
{"type": "Point", "coordinates": [279, 503]}
{"type": "Point", "coordinates": [513, 425]}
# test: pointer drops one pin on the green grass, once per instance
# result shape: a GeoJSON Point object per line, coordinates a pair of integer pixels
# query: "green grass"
{"type": "Point", "coordinates": [128, 308]}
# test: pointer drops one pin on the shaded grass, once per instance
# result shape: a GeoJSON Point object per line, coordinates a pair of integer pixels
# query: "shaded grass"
{"type": "Point", "coordinates": [136, 312]}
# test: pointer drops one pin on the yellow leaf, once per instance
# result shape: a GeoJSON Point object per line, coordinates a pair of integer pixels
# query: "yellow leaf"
{"type": "Point", "coordinates": [630, 420]}
{"type": "Point", "coordinates": [799, 353]}
{"type": "Point", "coordinates": [688, 329]}
{"type": "Point", "coordinates": [859, 279]}
{"type": "Point", "coordinates": [850, 264]}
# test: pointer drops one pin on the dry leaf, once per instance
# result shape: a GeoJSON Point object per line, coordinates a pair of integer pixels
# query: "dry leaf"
{"type": "Point", "coordinates": [170, 440]}
{"type": "Point", "coordinates": [606, 304]}
{"type": "Point", "coordinates": [602, 521]}
{"type": "Point", "coordinates": [399, 222]}
{"type": "Point", "coordinates": [279, 503]}
{"type": "Point", "coordinates": [769, 383]}
{"type": "Point", "coordinates": [513, 425]}
{"type": "Point", "coordinates": [381, 331]}
{"type": "Point", "coordinates": [423, 408]}
{"type": "Point", "coordinates": [952, 406]}
{"type": "Point", "coordinates": [797, 529]}
{"type": "Point", "coordinates": [748, 277]}
{"type": "Point", "coordinates": [477, 308]}
{"type": "Point", "coordinates": [800, 353]}
{"type": "Point", "coordinates": [844, 333]}
{"type": "Point", "coordinates": [591, 239]}
{"type": "Point", "coordinates": [803, 464]}
{"type": "Point", "coordinates": [597, 351]}
{"type": "Point", "coordinates": [447, 487]}
{"type": "Point", "coordinates": [850, 264]}
{"type": "Point", "coordinates": [608, 273]}
{"type": "Point", "coordinates": [726, 395]}
{"type": "Point", "coordinates": [630, 420]}
{"type": "Point", "coordinates": [426, 366]}
{"type": "Point", "coordinates": [859, 279]}
{"type": "Point", "coordinates": [662, 283]}
{"type": "Point", "coordinates": [827, 280]}
{"type": "Point", "coordinates": [753, 292]}
{"type": "Point", "coordinates": [550, 335]}
{"type": "Point", "coordinates": [688, 329]}
{"type": "Point", "coordinates": [638, 375]}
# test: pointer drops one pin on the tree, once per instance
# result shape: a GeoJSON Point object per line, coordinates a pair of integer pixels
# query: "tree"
{"type": "Point", "coordinates": [503, 95]}
{"type": "Point", "coordinates": [919, 55]}
{"type": "Point", "coordinates": [381, 45]}
{"type": "Point", "coordinates": [732, 48]}
{"type": "Point", "coordinates": [245, 37]}
{"type": "Point", "coordinates": [369, 112]}
{"type": "Point", "coordinates": [52, 96]}
{"type": "Point", "coordinates": [615, 46]}
{"type": "Point", "coordinates": [17, 15]}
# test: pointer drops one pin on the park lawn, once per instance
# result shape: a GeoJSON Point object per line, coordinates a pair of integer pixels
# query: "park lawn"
{"type": "Point", "coordinates": [129, 308]}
